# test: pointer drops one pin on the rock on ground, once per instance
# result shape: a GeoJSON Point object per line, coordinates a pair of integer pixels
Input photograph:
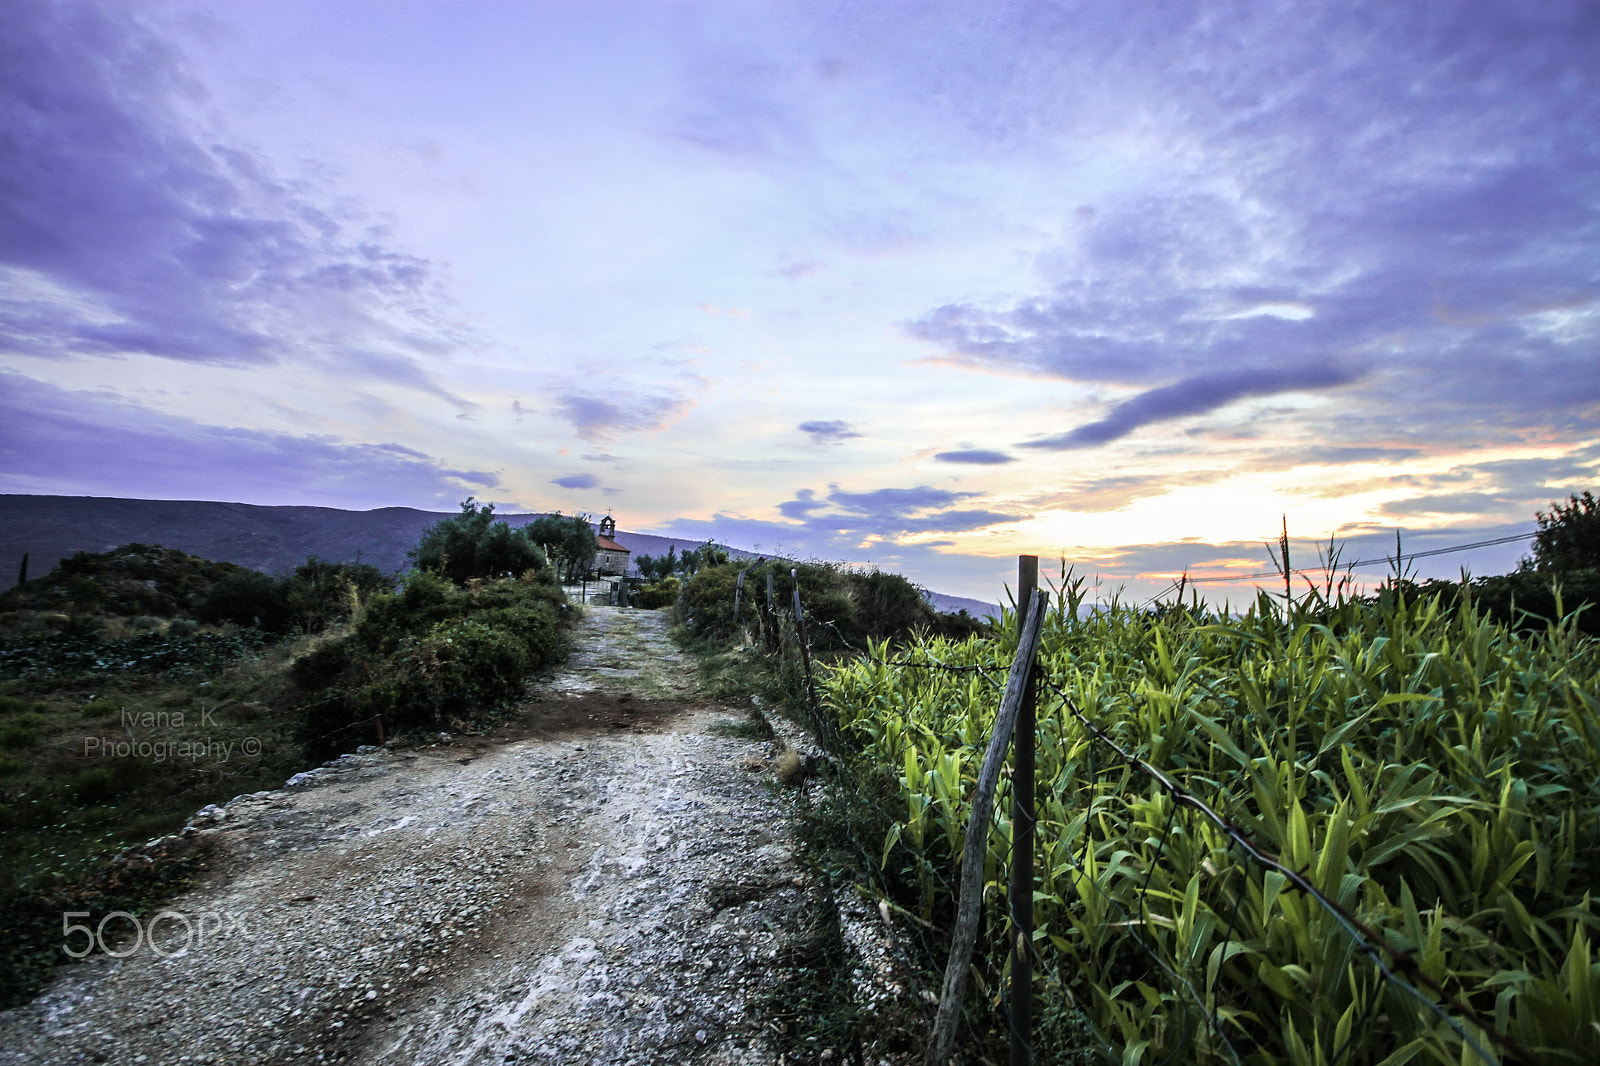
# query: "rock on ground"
{"type": "Point", "coordinates": [605, 880]}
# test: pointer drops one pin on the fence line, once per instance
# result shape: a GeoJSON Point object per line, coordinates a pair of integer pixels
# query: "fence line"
{"type": "Point", "coordinates": [1389, 961]}
{"type": "Point", "coordinates": [970, 902]}
{"type": "Point", "coordinates": [1369, 941]}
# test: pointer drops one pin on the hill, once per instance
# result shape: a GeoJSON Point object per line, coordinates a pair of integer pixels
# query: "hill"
{"type": "Point", "coordinates": [271, 539]}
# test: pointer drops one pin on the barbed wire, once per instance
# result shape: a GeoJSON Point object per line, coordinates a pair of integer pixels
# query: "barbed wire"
{"type": "Point", "coordinates": [1335, 567]}
{"type": "Point", "coordinates": [1366, 939]}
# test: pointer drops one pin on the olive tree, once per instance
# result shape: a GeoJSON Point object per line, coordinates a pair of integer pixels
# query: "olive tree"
{"type": "Point", "coordinates": [472, 544]}
{"type": "Point", "coordinates": [568, 539]}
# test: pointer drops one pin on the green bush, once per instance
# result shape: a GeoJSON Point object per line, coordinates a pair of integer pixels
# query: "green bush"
{"type": "Point", "coordinates": [1525, 600]}
{"type": "Point", "coordinates": [316, 595]}
{"type": "Point", "coordinates": [250, 598]}
{"type": "Point", "coordinates": [135, 579]}
{"type": "Point", "coordinates": [657, 594]}
{"type": "Point", "coordinates": [429, 656]}
{"type": "Point", "coordinates": [321, 593]}
{"type": "Point", "coordinates": [843, 607]}
{"type": "Point", "coordinates": [20, 733]}
{"type": "Point", "coordinates": [472, 545]}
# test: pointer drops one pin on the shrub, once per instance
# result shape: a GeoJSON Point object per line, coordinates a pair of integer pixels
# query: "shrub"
{"type": "Point", "coordinates": [472, 545]}
{"type": "Point", "coordinates": [248, 598]}
{"type": "Point", "coordinates": [428, 656]}
{"type": "Point", "coordinates": [843, 607]}
{"type": "Point", "coordinates": [662, 593]}
{"type": "Point", "coordinates": [21, 732]}
{"type": "Point", "coordinates": [134, 579]}
{"type": "Point", "coordinates": [321, 593]}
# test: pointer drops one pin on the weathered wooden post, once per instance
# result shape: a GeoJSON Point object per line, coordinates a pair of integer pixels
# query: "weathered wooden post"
{"type": "Point", "coordinates": [970, 907]}
{"type": "Point", "coordinates": [771, 624]}
{"type": "Point", "coordinates": [1022, 822]}
{"type": "Point", "coordinates": [738, 593]}
{"type": "Point", "coordinates": [805, 656]}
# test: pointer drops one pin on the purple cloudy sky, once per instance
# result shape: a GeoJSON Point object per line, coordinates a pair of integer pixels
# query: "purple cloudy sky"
{"type": "Point", "coordinates": [922, 284]}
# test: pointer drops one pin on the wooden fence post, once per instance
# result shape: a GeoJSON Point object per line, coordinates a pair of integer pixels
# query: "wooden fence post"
{"type": "Point", "coordinates": [770, 626]}
{"type": "Point", "coordinates": [1022, 819]}
{"type": "Point", "coordinates": [970, 907]}
{"type": "Point", "coordinates": [805, 657]}
{"type": "Point", "coordinates": [738, 592]}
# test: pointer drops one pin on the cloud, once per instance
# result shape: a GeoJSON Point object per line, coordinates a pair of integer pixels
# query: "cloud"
{"type": "Point", "coordinates": [57, 441]}
{"type": "Point", "coordinates": [896, 501]}
{"type": "Point", "coordinates": [598, 418]}
{"type": "Point", "coordinates": [1405, 196]}
{"type": "Point", "coordinates": [796, 271]}
{"type": "Point", "coordinates": [125, 228]}
{"type": "Point", "coordinates": [1115, 492]}
{"type": "Point", "coordinates": [974, 456]}
{"type": "Point", "coordinates": [1460, 503]}
{"type": "Point", "coordinates": [846, 517]}
{"type": "Point", "coordinates": [834, 430]}
{"type": "Point", "coordinates": [802, 505]}
{"type": "Point", "coordinates": [576, 481]}
{"type": "Point", "coordinates": [1195, 395]}
{"type": "Point", "coordinates": [1504, 489]}
{"type": "Point", "coordinates": [847, 525]}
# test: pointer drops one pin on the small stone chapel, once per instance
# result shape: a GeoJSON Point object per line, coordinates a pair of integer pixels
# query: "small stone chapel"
{"type": "Point", "coordinates": [611, 558]}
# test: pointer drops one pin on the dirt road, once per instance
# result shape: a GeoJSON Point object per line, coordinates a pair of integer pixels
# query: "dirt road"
{"type": "Point", "coordinates": [603, 880]}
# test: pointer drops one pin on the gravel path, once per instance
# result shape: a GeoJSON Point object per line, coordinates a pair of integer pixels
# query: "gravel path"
{"type": "Point", "coordinates": [603, 881]}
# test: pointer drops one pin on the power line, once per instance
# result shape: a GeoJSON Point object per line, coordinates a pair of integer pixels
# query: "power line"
{"type": "Point", "coordinates": [1386, 560]}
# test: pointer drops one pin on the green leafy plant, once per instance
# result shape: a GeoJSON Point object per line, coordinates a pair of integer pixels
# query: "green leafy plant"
{"type": "Point", "coordinates": [1433, 771]}
{"type": "Point", "coordinates": [473, 545]}
{"type": "Point", "coordinates": [430, 655]}
{"type": "Point", "coordinates": [660, 593]}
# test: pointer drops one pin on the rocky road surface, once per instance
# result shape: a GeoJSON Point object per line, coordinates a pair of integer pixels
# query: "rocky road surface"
{"type": "Point", "coordinates": [603, 880]}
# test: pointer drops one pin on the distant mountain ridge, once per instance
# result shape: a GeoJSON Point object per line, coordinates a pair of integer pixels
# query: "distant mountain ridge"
{"type": "Point", "coordinates": [274, 539]}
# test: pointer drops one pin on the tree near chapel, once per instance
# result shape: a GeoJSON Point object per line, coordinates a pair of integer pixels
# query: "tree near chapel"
{"type": "Point", "coordinates": [569, 539]}
{"type": "Point", "coordinates": [473, 545]}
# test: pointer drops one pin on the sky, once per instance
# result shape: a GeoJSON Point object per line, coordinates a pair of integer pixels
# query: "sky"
{"type": "Point", "coordinates": [921, 286]}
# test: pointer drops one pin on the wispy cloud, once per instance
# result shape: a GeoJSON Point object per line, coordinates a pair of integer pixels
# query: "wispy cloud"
{"type": "Point", "coordinates": [55, 440]}
{"type": "Point", "coordinates": [1315, 222]}
{"type": "Point", "coordinates": [1193, 396]}
{"type": "Point", "coordinates": [887, 513]}
{"type": "Point", "coordinates": [576, 481]}
{"type": "Point", "coordinates": [124, 228]}
{"type": "Point", "coordinates": [600, 418]}
{"type": "Point", "coordinates": [847, 525]}
{"type": "Point", "coordinates": [828, 431]}
{"type": "Point", "coordinates": [974, 456]}
{"type": "Point", "coordinates": [1503, 489]}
